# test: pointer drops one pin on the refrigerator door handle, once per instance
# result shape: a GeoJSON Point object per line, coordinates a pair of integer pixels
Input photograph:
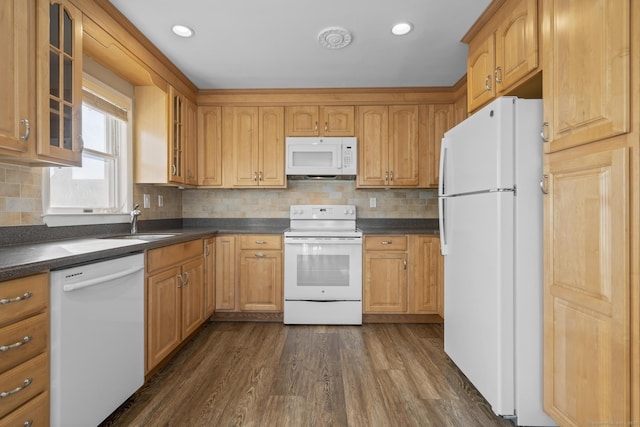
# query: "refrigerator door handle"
{"type": "Point", "coordinates": [444, 247]}
{"type": "Point", "coordinates": [441, 174]}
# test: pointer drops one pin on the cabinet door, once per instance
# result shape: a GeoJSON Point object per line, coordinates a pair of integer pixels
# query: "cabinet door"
{"type": "Point", "coordinates": [209, 146]}
{"type": "Point", "coordinates": [385, 284]}
{"type": "Point", "coordinates": [193, 292]}
{"type": "Point", "coordinates": [59, 77]}
{"type": "Point", "coordinates": [441, 119]}
{"type": "Point", "coordinates": [260, 281]}
{"type": "Point", "coordinates": [190, 143]}
{"type": "Point", "coordinates": [225, 273]}
{"type": "Point", "coordinates": [163, 315]}
{"type": "Point", "coordinates": [516, 43]}
{"type": "Point", "coordinates": [244, 145]}
{"type": "Point", "coordinates": [480, 68]}
{"type": "Point", "coordinates": [586, 71]}
{"type": "Point", "coordinates": [272, 147]}
{"type": "Point", "coordinates": [403, 146]}
{"type": "Point", "coordinates": [426, 285]}
{"type": "Point", "coordinates": [587, 287]}
{"type": "Point", "coordinates": [209, 277]}
{"type": "Point", "coordinates": [177, 151]}
{"type": "Point", "coordinates": [373, 146]}
{"type": "Point", "coordinates": [302, 121]}
{"type": "Point", "coordinates": [17, 114]}
{"type": "Point", "coordinates": [337, 121]}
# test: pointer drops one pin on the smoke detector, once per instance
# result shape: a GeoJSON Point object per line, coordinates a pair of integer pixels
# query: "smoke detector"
{"type": "Point", "coordinates": [334, 38]}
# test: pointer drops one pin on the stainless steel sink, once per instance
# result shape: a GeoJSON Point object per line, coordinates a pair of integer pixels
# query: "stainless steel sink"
{"type": "Point", "coordinates": [149, 237]}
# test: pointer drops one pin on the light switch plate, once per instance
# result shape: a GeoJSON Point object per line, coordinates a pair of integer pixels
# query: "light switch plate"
{"type": "Point", "coordinates": [372, 202]}
{"type": "Point", "coordinates": [160, 201]}
{"type": "Point", "coordinates": [146, 203]}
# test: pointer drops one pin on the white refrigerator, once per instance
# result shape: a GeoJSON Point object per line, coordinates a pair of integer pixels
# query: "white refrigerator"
{"type": "Point", "coordinates": [490, 205]}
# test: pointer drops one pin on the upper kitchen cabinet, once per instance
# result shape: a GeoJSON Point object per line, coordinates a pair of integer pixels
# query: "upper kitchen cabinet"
{"type": "Point", "coordinates": [164, 137]}
{"type": "Point", "coordinates": [587, 69]}
{"type": "Point", "coordinates": [320, 121]}
{"type": "Point", "coordinates": [42, 62]}
{"type": "Point", "coordinates": [504, 53]}
{"type": "Point", "coordinates": [440, 118]}
{"type": "Point", "coordinates": [388, 146]}
{"type": "Point", "coordinates": [209, 146]}
{"type": "Point", "coordinates": [255, 149]}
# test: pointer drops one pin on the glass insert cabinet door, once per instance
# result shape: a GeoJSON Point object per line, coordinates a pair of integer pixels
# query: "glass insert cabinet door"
{"type": "Point", "coordinates": [59, 82]}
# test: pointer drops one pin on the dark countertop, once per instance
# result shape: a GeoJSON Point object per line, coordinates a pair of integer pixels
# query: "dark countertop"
{"type": "Point", "coordinates": [28, 250]}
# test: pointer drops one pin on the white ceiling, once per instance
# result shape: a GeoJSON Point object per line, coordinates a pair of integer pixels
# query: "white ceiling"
{"type": "Point", "coordinates": [273, 43]}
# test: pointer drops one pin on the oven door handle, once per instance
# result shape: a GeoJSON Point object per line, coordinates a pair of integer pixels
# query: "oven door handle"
{"type": "Point", "coordinates": [304, 241]}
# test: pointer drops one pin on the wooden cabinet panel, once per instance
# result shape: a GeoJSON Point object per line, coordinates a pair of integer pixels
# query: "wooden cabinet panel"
{"type": "Point", "coordinates": [36, 370]}
{"type": "Point", "coordinates": [385, 243]}
{"type": "Point", "coordinates": [260, 280]}
{"type": "Point", "coordinates": [16, 348]}
{"type": "Point", "coordinates": [260, 241]}
{"type": "Point", "coordinates": [163, 315]}
{"type": "Point", "coordinates": [209, 146]}
{"type": "Point", "coordinates": [271, 147]}
{"type": "Point", "coordinates": [441, 119]}
{"type": "Point", "coordinates": [225, 273]}
{"type": "Point", "coordinates": [33, 413]}
{"type": "Point", "coordinates": [403, 146]}
{"type": "Point", "coordinates": [311, 120]}
{"type": "Point", "coordinates": [243, 124]}
{"type": "Point", "coordinates": [587, 69]}
{"type": "Point", "coordinates": [209, 276]}
{"type": "Point", "coordinates": [191, 143]}
{"type": "Point", "coordinates": [192, 296]}
{"type": "Point", "coordinates": [480, 68]}
{"type": "Point", "coordinates": [426, 265]}
{"type": "Point", "coordinates": [373, 145]}
{"type": "Point", "coordinates": [587, 287]}
{"type": "Point", "coordinates": [17, 109]}
{"type": "Point", "coordinates": [29, 294]}
{"type": "Point", "coordinates": [385, 286]}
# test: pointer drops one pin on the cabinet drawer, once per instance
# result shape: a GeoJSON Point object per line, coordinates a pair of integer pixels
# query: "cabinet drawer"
{"type": "Point", "coordinates": [24, 382]}
{"type": "Point", "coordinates": [167, 256]}
{"type": "Point", "coordinates": [33, 413]}
{"type": "Point", "coordinates": [23, 297]}
{"type": "Point", "coordinates": [385, 243]}
{"type": "Point", "coordinates": [23, 340]}
{"type": "Point", "coordinates": [264, 241]}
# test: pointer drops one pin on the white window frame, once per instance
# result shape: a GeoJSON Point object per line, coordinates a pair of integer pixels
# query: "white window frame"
{"type": "Point", "coordinates": [54, 217]}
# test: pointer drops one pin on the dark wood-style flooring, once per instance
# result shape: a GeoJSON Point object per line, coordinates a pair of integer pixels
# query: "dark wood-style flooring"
{"type": "Point", "coordinates": [269, 374]}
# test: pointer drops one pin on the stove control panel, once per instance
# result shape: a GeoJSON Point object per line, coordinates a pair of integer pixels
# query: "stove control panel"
{"type": "Point", "coordinates": [334, 212]}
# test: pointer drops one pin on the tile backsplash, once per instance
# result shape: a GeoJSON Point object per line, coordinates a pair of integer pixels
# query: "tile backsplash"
{"type": "Point", "coordinates": [258, 203]}
{"type": "Point", "coordinates": [21, 199]}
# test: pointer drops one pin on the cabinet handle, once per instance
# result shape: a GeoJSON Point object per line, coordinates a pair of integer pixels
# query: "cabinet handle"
{"type": "Point", "coordinates": [261, 242]}
{"type": "Point", "coordinates": [404, 263]}
{"type": "Point", "coordinates": [543, 184]}
{"type": "Point", "coordinates": [20, 343]}
{"type": "Point", "coordinates": [26, 383]}
{"type": "Point", "coordinates": [260, 176]}
{"type": "Point", "coordinates": [255, 176]}
{"type": "Point", "coordinates": [27, 129]}
{"type": "Point", "coordinates": [188, 278]}
{"type": "Point", "coordinates": [386, 175]}
{"type": "Point", "coordinates": [386, 242]}
{"type": "Point", "coordinates": [544, 133]}
{"type": "Point", "coordinates": [487, 84]}
{"type": "Point", "coordinates": [496, 72]}
{"type": "Point", "coordinates": [391, 176]}
{"type": "Point", "coordinates": [180, 280]}
{"type": "Point", "coordinates": [26, 295]}
{"type": "Point", "coordinates": [28, 423]}
{"type": "Point", "coordinates": [260, 255]}
{"type": "Point", "coordinates": [326, 126]}
{"type": "Point", "coordinates": [174, 170]}
{"type": "Point", "coordinates": [316, 127]}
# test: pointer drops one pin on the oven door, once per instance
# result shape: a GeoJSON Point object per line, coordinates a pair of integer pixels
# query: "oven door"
{"type": "Point", "coordinates": [323, 269]}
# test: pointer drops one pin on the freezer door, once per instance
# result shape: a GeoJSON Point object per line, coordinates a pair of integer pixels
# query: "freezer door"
{"type": "Point", "coordinates": [479, 152]}
{"type": "Point", "coordinates": [478, 294]}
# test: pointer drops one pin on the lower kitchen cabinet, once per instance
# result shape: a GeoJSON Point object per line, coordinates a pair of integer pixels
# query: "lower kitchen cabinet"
{"type": "Point", "coordinates": [249, 274]}
{"type": "Point", "coordinates": [402, 275]}
{"type": "Point", "coordinates": [24, 337]}
{"type": "Point", "coordinates": [209, 276]}
{"type": "Point", "coordinates": [175, 293]}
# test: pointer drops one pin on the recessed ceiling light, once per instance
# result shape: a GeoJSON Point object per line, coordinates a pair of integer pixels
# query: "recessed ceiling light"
{"type": "Point", "coordinates": [182, 31]}
{"type": "Point", "coordinates": [402, 28]}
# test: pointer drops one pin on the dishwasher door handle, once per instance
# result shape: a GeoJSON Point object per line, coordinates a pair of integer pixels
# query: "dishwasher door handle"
{"type": "Point", "coordinates": [103, 279]}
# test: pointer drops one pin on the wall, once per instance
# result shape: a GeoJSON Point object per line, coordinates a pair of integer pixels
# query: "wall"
{"type": "Point", "coordinates": [258, 203]}
{"type": "Point", "coordinates": [20, 195]}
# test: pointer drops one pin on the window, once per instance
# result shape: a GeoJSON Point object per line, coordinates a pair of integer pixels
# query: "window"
{"type": "Point", "coordinates": [99, 191]}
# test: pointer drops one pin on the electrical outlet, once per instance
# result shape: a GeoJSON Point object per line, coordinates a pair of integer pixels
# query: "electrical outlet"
{"type": "Point", "coordinates": [146, 201]}
{"type": "Point", "coordinates": [160, 201]}
{"type": "Point", "coordinates": [372, 202]}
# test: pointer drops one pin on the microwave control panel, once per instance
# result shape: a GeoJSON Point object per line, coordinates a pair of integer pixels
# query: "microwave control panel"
{"type": "Point", "coordinates": [349, 163]}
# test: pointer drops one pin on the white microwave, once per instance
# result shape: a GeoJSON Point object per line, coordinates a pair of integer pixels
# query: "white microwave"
{"type": "Point", "coordinates": [322, 156]}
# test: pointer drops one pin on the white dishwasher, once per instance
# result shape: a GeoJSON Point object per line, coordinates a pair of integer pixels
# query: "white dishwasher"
{"type": "Point", "coordinates": [97, 339]}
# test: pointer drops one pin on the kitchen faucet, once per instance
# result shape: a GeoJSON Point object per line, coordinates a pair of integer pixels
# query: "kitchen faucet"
{"type": "Point", "coordinates": [135, 213]}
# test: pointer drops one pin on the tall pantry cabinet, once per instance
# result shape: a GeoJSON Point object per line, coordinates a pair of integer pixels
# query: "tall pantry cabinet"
{"type": "Point", "coordinates": [591, 211]}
